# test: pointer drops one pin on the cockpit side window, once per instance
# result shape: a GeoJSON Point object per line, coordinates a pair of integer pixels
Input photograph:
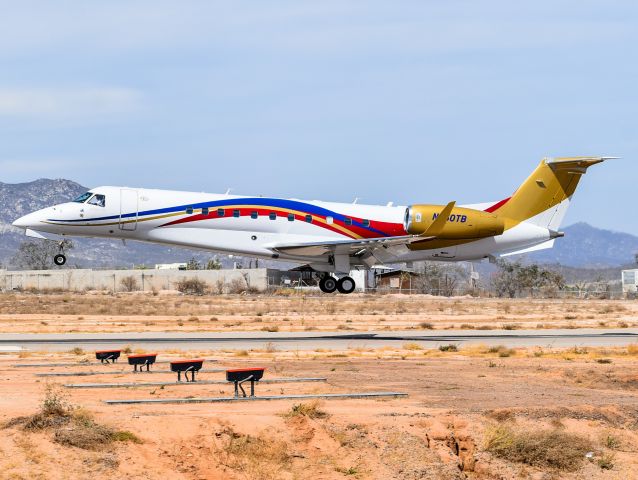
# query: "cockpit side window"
{"type": "Point", "coordinates": [83, 198]}
{"type": "Point", "coordinates": [99, 200]}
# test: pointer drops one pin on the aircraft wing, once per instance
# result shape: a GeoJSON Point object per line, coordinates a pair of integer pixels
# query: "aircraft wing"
{"type": "Point", "coordinates": [369, 250]}
{"type": "Point", "coordinates": [351, 247]}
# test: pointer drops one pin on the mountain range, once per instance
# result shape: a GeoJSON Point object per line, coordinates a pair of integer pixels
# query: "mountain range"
{"type": "Point", "coordinates": [583, 246]}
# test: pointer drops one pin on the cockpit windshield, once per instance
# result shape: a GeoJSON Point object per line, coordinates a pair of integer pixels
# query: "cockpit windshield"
{"type": "Point", "coordinates": [83, 198]}
{"type": "Point", "coordinates": [99, 200]}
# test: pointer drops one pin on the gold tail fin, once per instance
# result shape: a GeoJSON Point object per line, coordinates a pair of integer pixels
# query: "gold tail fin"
{"type": "Point", "coordinates": [543, 198]}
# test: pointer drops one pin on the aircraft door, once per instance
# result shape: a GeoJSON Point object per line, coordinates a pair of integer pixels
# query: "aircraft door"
{"type": "Point", "coordinates": [128, 209]}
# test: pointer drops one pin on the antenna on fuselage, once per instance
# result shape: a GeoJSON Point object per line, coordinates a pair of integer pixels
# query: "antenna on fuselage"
{"type": "Point", "coordinates": [355, 201]}
{"type": "Point", "coordinates": [390, 204]}
{"type": "Point", "coordinates": [228, 191]}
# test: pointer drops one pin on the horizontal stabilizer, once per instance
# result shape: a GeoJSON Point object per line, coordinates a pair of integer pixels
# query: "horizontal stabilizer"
{"type": "Point", "coordinates": [535, 248]}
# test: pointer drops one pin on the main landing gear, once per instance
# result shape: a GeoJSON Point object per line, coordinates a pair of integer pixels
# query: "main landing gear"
{"type": "Point", "coordinates": [60, 258]}
{"type": "Point", "coordinates": [329, 284]}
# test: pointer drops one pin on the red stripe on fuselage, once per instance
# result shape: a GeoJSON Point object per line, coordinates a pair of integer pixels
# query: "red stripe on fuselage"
{"type": "Point", "coordinates": [388, 229]}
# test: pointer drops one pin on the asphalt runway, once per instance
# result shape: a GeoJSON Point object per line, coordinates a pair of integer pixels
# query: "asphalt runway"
{"type": "Point", "coordinates": [556, 338]}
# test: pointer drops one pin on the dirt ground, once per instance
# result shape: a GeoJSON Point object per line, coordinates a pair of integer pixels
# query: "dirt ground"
{"type": "Point", "coordinates": [94, 312]}
{"type": "Point", "coordinates": [482, 412]}
{"type": "Point", "coordinates": [441, 431]}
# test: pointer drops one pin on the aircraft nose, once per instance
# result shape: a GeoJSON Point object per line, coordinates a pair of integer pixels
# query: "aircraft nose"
{"type": "Point", "coordinates": [28, 221]}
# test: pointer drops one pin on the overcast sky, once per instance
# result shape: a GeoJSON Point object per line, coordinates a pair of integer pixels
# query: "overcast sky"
{"type": "Point", "coordinates": [404, 101]}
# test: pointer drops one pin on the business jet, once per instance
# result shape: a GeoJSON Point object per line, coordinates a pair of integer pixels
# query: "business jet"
{"type": "Point", "coordinates": [332, 239]}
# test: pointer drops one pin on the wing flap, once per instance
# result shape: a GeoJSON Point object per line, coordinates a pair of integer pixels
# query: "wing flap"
{"type": "Point", "coordinates": [345, 246]}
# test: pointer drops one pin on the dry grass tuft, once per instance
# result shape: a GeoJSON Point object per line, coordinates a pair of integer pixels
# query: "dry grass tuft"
{"type": "Point", "coordinates": [449, 348]}
{"type": "Point", "coordinates": [539, 448]}
{"type": "Point", "coordinates": [71, 426]}
{"type": "Point", "coordinates": [256, 457]}
{"type": "Point", "coordinates": [309, 409]}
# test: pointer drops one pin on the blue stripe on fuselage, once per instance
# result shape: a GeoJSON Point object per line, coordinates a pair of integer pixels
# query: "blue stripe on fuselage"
{"type": "Point", "coordinates": [259, 201]}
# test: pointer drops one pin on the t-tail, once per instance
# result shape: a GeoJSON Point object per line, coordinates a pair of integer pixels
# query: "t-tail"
{"type": "Point", "coordinates": [544, 197]}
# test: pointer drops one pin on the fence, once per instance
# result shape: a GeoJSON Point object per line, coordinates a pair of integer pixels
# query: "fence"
{"type": "Point", "coordinates": [122, 280]}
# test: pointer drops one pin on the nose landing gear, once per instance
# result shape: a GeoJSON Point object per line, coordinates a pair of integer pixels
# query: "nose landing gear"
{"type": "Point", "coordinates": [60, 258]}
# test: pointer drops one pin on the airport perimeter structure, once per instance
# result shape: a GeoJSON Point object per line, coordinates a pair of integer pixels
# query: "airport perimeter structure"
{"type": "Point", "coordinates": [257, 279]}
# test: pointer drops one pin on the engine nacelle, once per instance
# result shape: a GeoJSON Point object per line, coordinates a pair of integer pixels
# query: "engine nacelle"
{"type": "Point", "coordinates": [462, 222]}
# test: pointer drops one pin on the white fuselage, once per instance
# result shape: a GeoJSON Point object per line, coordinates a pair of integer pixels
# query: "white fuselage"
{"type": "Point", "coordinates": [254, 226]}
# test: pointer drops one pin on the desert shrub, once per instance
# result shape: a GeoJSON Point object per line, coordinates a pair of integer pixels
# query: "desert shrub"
{"type": "Point", "coordinates": [309, 409]}
{"type": "Point", "coordinates": [237, 285]}
{"type": "Point", "coordinates": [72, 426]}
{"type": "Point", "coordinates": [606, 461]}
{"type": "Point", "coordinates": [426, 325]}
{"type": "Point", "coordinates": [84, 432]}
{"type": "Point", "coordinates": [218, 288]}
{"type": "Point", "coordinates": [192, 286]}
{"type": "Point", "coordinates": [539, 448]}
{"type": "Point", "coordinates": [76, 351]}
{"type": "Point", "coordinates": [129, 284]}
{"type": "Point", "coordinates": [449, 348]}
{"type": "Point", "coordinates": [501, 350]}
{"type": "Point", "coordinates": [256, 456]}
{"type": "Point", "coordinates": [270, 328]}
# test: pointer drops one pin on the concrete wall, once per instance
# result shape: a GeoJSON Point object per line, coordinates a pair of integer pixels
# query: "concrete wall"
{"type": "Point", "coordinates": [80, 279]}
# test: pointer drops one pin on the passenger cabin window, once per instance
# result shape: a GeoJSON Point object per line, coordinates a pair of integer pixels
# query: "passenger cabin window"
{"type": "Point", "coordinates": [366, 223]}
{"type": "Point", "coordinates": [329, 220]}
{"type": "Point", "coordinates": [309, 218]}
{"type": "Point", "coordinates": [291, 217]}
{"type": "Point", "coordinates": [205, 211]}
{"type": "Point", "coordinates": [83, 198]}
{"type": "Point", "coordinates": [347, 221]}
{"type": "Point", "coordinates": [98, 200]}
{"type": "Point", "coordinates": [272, 216]}
{"type": "Point", "coordinates": [236, 213]}
{"type": "Point", "coordinates": [189, 210]}
{"type": "Point", "coordinates": [220, 212]}
{"type": "Point", "coordinates": [254, 215]}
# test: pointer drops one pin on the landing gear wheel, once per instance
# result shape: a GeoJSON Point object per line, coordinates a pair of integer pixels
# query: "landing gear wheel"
{"type": "Point", "coordinates": [59, 260]}
{"type": "Point", "coordinates": [328, 284]}
{"type": "Point", "coordinates": [346, 285]}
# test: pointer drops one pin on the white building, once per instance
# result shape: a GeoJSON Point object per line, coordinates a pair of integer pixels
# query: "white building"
{"type": "Point", "coordinates": [171, 266]}
{"type": "Point", "coordinates": [630, 281]}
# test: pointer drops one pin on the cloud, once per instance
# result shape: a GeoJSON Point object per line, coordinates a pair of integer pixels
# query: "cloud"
{"type": "Point", "coordinates": [66, 102]}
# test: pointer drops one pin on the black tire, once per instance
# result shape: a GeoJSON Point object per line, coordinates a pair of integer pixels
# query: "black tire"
{"type": "Point", "coordinates": [328, 284]}
{"type": "Point", "coordinates": [59, 260]}
{"type": "Point", "coordinates": [346, 285]}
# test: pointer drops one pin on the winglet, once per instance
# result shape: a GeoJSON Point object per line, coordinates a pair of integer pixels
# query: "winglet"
{"type": "Point", "coordinates": [437, 225]}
